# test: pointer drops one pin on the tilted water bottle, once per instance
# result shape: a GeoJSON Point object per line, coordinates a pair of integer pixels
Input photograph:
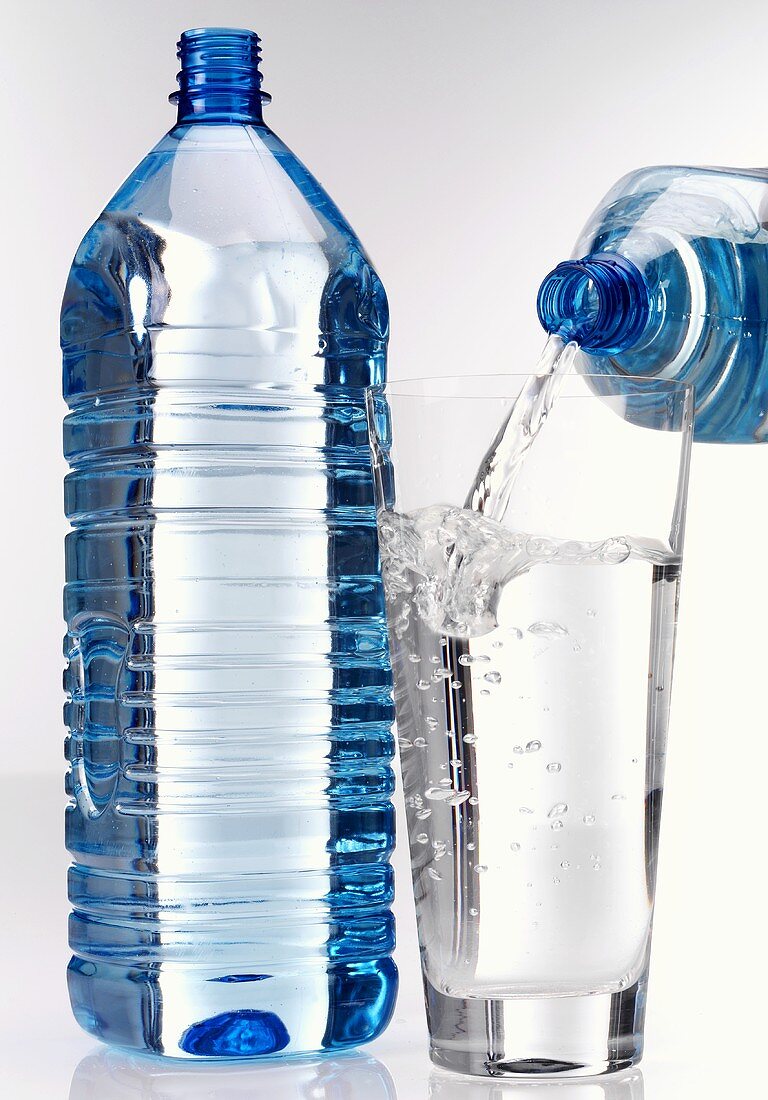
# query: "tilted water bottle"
{"type": "Point", "coordinates": [671, 281]}
{"type": "Point", "coordinates": [229, 690]}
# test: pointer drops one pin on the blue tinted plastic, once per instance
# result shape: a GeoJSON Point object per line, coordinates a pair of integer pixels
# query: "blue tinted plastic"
{"type": "Point", "coordinates": [696, 307]}
{"type": "Point", "coordinates": [228, 682]}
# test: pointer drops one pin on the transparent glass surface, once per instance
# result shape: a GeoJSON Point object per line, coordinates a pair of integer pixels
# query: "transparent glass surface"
{"type": "Point", "coordinates": [531, 538]}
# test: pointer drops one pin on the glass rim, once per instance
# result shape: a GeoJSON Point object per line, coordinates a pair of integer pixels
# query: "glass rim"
{"type": "Point", "coordinates": [398, 388]}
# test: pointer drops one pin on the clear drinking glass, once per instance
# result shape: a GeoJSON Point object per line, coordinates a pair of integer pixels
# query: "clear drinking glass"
{"type": "Point", "coordinates": [531, 535]}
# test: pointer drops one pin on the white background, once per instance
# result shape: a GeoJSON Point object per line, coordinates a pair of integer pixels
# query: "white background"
{"type": "Point", "coordinates": [467, 142]}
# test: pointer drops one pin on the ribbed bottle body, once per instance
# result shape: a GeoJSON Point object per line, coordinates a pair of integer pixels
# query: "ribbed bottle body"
{"type": "Point", "coordinates": [228, 682]}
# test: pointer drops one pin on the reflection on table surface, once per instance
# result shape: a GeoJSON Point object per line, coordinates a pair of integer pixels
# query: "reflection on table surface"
{"type": "Point", "coordinates": [114, 1075]}
{"type": "Point", "coordinates": [624, 1086]}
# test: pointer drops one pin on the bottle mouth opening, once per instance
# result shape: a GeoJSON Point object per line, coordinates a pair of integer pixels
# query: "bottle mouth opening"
{"type": "Point", "coordinates": [602, 302]}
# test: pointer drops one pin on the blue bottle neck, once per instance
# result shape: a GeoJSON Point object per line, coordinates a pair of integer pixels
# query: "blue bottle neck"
{"type": "Point", "coordinates": [602, 301]}
{"type": "Point", "coordinates": [220, 79]}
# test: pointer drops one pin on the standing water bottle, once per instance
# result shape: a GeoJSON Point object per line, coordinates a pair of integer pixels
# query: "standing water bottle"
{"type": "Point", "coordinates": [228, 684]}
{"type": "Point", "coordinates": [671, 281]}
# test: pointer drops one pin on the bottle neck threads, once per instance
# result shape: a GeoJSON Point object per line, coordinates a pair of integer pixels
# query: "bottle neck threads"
{"type": "Point", "coordinates": [220, 79]}
{"type": "Point", "coordinates": [602, 302]}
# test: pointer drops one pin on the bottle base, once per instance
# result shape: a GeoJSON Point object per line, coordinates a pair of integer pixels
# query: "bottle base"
{"type": "Point", "coordinates": [204, 1015]}
{"type": "Point", "coordinates": [569, 1036]}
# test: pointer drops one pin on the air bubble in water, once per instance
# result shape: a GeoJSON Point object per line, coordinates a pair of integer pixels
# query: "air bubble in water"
{"type": "Point", "coordinates": [436, 794]}
{"type": "Point", "coordinates": [547, 630]}
{"type": "Point", "coordinates": [533, 746]}
{"type": "Point", "coordinates": [457, 797]}
{"type": "Point", "coordinates": [614, 551]}
{"type": "Point", "coordinates": [554, 767]}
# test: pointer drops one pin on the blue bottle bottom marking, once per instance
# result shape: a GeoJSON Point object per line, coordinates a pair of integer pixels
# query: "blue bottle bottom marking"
{"type": "Point", "coordinates": [125, 1006]}
{"type": "Point", "coordinates": [240, 1034]}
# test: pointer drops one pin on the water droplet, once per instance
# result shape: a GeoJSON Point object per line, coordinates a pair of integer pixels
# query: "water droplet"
{"type": "Point", "coordinates": [510, 764]}
{"type": "Point", "coordinates": [444, 642]}
{"type": "Point", "coordinates": [422, 838]}
{"type": "Point", "coordinates": [474, 801]}
{"type": "Point", "coordinates": [493, 677]}
{"type": "Point", "coordinates": [455, 763]}
{"type": "Point", "coordinates": [634, 759]}
{"type": "Point", "coordinates": [473, 912]}
{"type": "Point", "coordinates": [440, 674]}
{"type": "Point", "coordinates": [497, 645]}
{"type": "Point", "coordinates": [414, 658]}
{"type": "Point", "coordinates": [445, 782]}
{"type": "Point", "coordinates": [618, 798]}
{"type": "Point", "coordinates": [436, 794]}
{"type": "Point", "coordinates": [565, 864]}
{"type": "Point", "coordinates": [526, 810]}
{"type": "Point", "coordinates": [469, 738]}
{"type": "Point", "coordinates": [515, 632]}
{"type": "Point", "coordinates": [404, 743]}
{"type": "Point", "coordinates": [480, 868]}
{"type": "Point", "coordinates": [419, 742]}
{"type": "Point", "coordinates": [547, 629]}
{"type": "Point", "coordinates": [465, 659]}
{"type": "Point", "coordinates": [484, 691]}
{"type": "Point", "coordinates": [455, 684]}
{"type": "Point", "coordinates": [614, 551]}
{"type": "Point", "coordinates": [430, 722]}
{"type": "Point", "coordinates": [588, 819]}
{"type": "Point", "coordinates": [554, 767]}
{"type": "Point", "coordinates": [435, 874]}
{"type": "Point", "coordinates": [471, 846]}
{"type": "Point", "coordinates": [558, 809]}
{"type": "Point", "coordinates": [533, 746]}
{"type": "Point", "coordinates": [556, 824]}
{"type": "Point", "coordinates": [518, 749]}
{"type": "Point", "coordinates": [440, 848]}
{"type": "Point", "coordinates": [596, 866]}
{"type": "Point", "coordinates": [422, 685]}
{"type": "Point", "coordinates": [556, 880]}
{"type": "Point", "coordinates": [444, 768]}
{"type": "Point", "coordinates": [457, 797]}
{"type": "Point", "coordinates": [514, 846]}
{"type": "Point", "coordinates": [422, 815]}
{"type": "Point", "coordinates": [591, 613]}
{"type": "Point", "coordinates": [659, 687]}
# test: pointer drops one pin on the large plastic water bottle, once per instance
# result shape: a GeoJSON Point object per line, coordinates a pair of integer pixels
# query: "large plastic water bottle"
{"type": "Point", "coordinates": [229, 690]}
{"type": "Point", "coordinates": [671, 281]}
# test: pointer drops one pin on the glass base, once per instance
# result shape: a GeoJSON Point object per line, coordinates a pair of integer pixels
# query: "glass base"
{"type": "Point", "coordinates": [573, 1036]}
